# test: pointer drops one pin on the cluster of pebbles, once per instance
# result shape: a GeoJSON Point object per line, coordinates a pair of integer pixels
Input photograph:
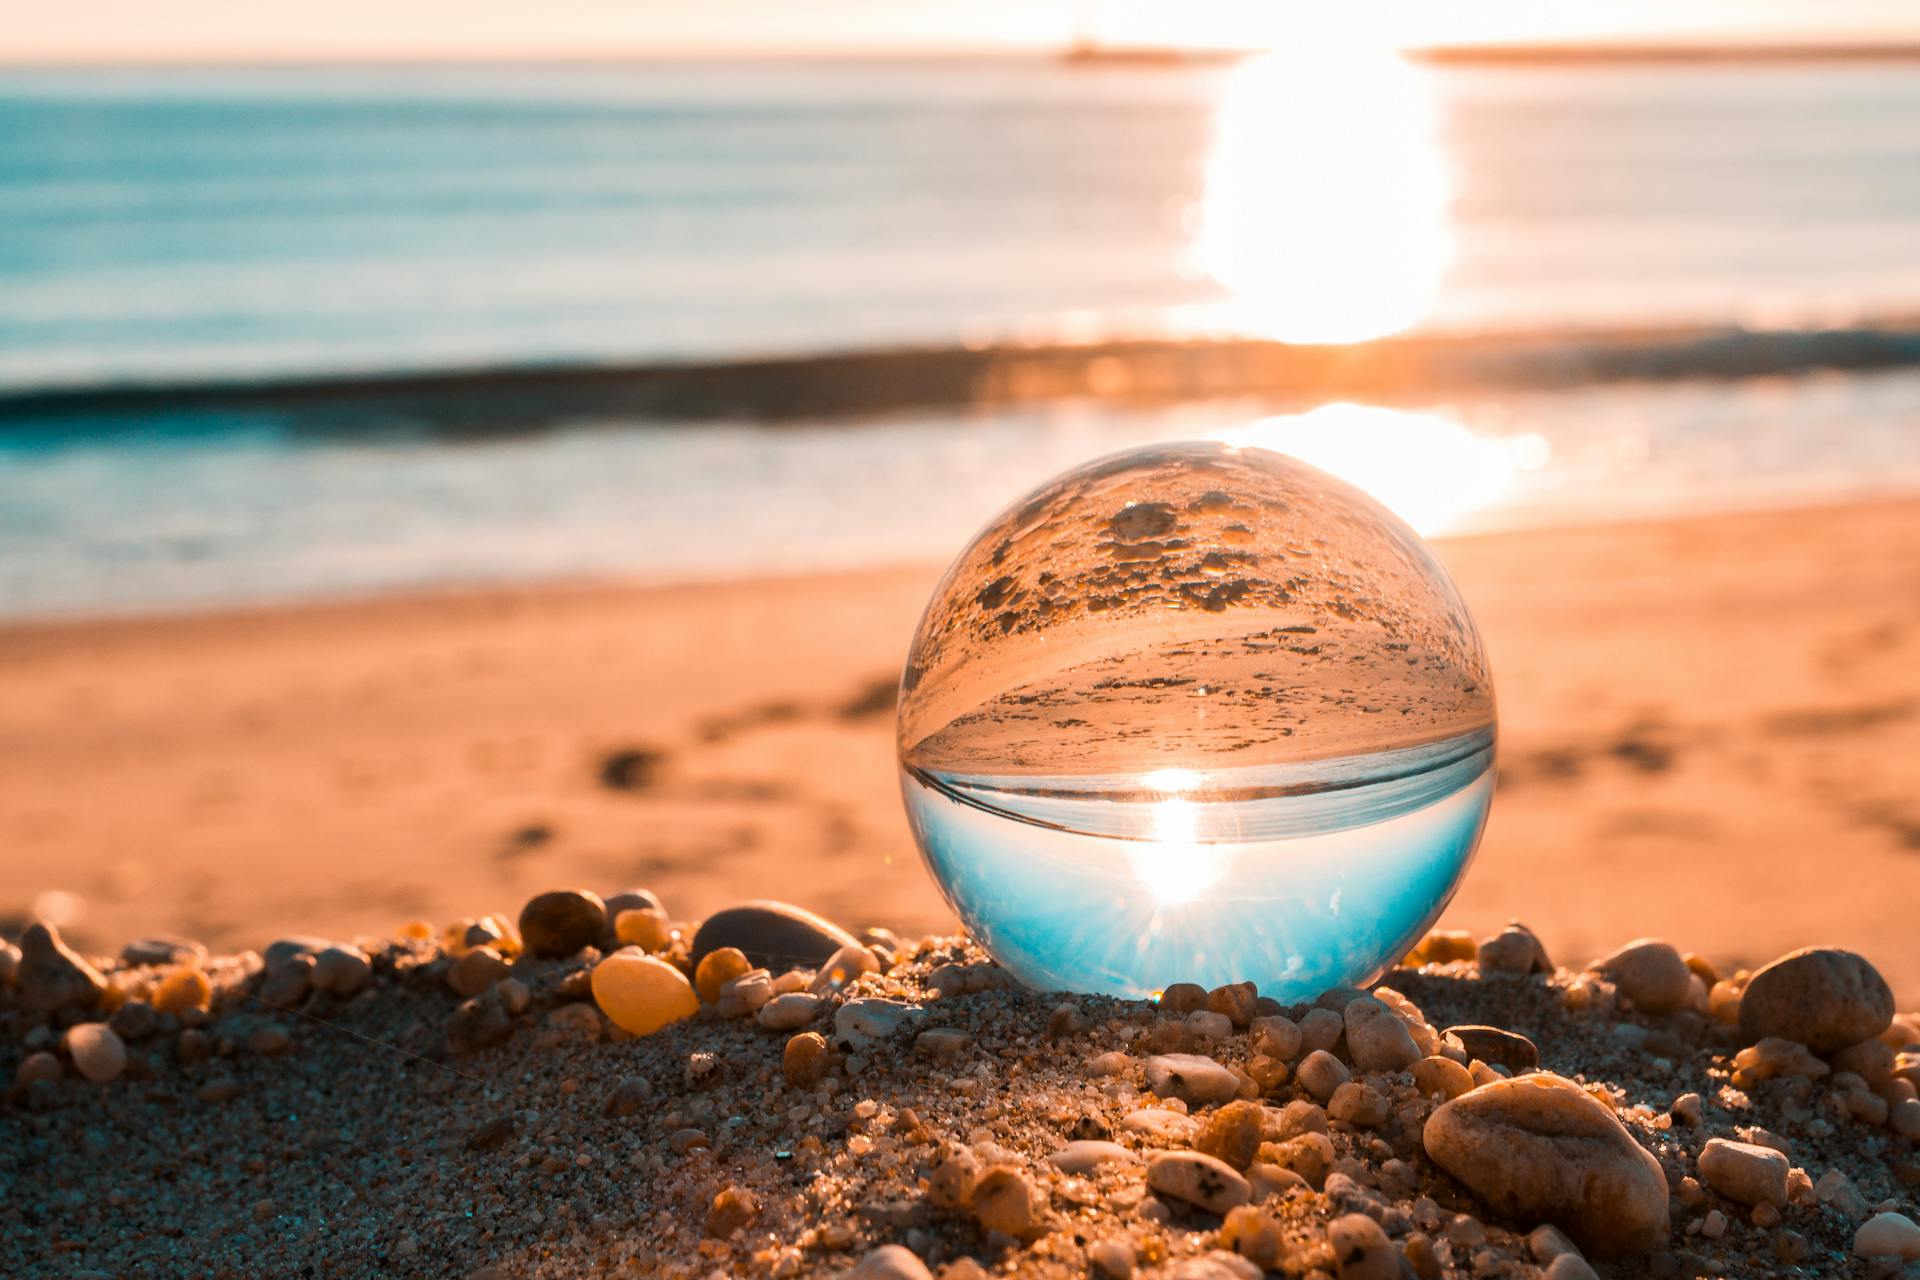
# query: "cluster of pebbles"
{"type": "Point", "coordinates": [594, 1089]}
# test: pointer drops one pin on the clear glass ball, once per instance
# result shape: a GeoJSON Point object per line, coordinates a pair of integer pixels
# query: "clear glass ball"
{"type": "Point", "coordinates": [1201, 713]}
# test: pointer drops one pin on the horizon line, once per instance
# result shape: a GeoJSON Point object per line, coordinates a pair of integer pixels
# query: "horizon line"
{"type": "Point", "coordinates": [1463, 54]}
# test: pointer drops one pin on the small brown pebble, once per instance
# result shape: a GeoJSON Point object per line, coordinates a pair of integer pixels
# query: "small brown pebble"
{"type": "Point", "coordinates": [1256, 1234]}
{"type": "Point", "coordinates": [491, 1135]}
{"type": "Point", "coordinates": [1066, 1020]}
{"type": "Point", "coordinates": [805, 1059]}
{"type": "Point", "coordinates": [182, 989]}
{"type": "Point", "coordinates": [1358, 1104]}
{"type": "Point", "coordinates": [1514, 950]}
{"type": "Point", "coordinates": [35, 1067]}
{"type": "Point", "coordinates": [1277, 1037]}
{"type": "Point", "coordinates": [560, 922]}
{"type": "Point", "coordinates": [1003, 1202]}
{"type": "Point", "coordinates": [218, 1091]}
{"type": "Point", "coordinates": [1308, 1154]}
{"type": "Point", "coordinates": [731, 1210]}
{"type": "Point", "coordinates": [97, 1052]}
{"type": "Point", "coordinates": [1183, 998]}
{"type": "Point", "coordinates": [1235, 1000]}
{"type": "Point", "coordinates": [1687, 1110]}
{"type": "Point", "coordinates": [1198, 1179]}
{"type": "Point", "coordinates": [629, 1095]}
{"type": "Point", "coordinates": [269, 1041]}
{"type": "Point", "coordinates": [1441, 1078]}
{"type": "Point", "coordinates": [950, 1184]}
{"type": "Point", "coordinates": [477, 970]}
{"type": "Point", "coordinates": [682, 1141]}
{"type": "Point", "coordinates": [1651, 973]}
{"type": "Point", "coordinates": [1320, 1073]}
{"type": "Point", "coordinates": [1361, 1249]}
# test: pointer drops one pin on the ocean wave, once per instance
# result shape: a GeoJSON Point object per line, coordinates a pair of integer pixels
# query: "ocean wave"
{"type": "Point", "coordinates": [478, 402]}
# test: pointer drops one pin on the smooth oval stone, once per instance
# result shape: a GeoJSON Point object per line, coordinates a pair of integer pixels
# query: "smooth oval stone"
{"type": "Point", "coordinates": [1199, 1179]}
{"type": "Point", "coordinates": [96, 1051]}
{"type": "Point", "coordinates": [1088, 1154]}
{"type": "Point", "coordinates": [560, 922]}
{"type": "Point", "coordinates": [1194, 1078]}
{"type": "Point", "coordinates": [1825, 998]}
{"type": "Point", "coordinates": [641, 993]}
{"type": "Point", "coordinates": [282, 950]}
{"type": "Point", "coordinates": [1502, 1048]}
{"type": "Point", "coordinates": [1649, 972]}
{"type": "Point", "coordinates": [776, 936]}
{"type": "Point", "coordinates": [1541, 1149]}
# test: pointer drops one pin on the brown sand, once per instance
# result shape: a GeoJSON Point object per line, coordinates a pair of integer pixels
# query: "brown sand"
{"type": "Point", "coordinates": [1709, 732]}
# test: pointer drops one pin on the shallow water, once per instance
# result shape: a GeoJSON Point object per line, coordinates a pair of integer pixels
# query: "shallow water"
{"type": "Point", "coordinates": [1298, 879]}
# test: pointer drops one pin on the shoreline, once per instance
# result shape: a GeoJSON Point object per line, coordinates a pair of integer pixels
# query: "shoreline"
{"type": "Point", "coordinates": [486, 402]}
{"type": "Point", "coordinates": [1703, 721]}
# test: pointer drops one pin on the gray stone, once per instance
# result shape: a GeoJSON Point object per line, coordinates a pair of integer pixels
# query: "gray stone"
{"type": "Point", "coordinates": [1507, 1049]}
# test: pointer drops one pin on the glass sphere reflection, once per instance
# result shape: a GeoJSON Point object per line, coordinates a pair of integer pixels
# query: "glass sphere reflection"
{"type": "Point", "coordinates": [1196, 713]}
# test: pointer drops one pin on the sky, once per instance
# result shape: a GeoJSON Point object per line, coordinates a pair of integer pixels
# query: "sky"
{"type": "Point", "coordinates": [187, 30]}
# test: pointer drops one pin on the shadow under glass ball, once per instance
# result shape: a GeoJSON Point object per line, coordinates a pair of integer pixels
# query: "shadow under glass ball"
{"type": "Point", "coordinates": [1196, 713]}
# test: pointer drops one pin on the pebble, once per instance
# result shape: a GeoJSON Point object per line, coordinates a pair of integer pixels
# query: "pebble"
{"type": "Point", "coordinates": [1745, 1172]}
{"type": "Point", "coordinates": [629, 1095]}
{"type": "Point", "coordinates": [789, 1012]}
{"type": "Point", "coordinates": [514, 995]}
{"type": "Point", "coordinates": [805, 1059]}
{"type": "Point", "coordinates": [716, 969]}
{"type": "Point", "coordinates": [1377, 1040]}
{"type": "Point", "coordinates": [1871, 1060]}
{"type": "Point", "coordinates": [890, 1262]}
{"type": "Point", "coordinates": [1236, 1001]}
{"type": "Point", "coordinates": [775, 936]}
{"type": "Point", "coordinates": [491, 1135]}
{"type": "Point", "coordinates": [1205, 1024]}
{"type": "Point", "coordinates": [1825, 998]}
{"type": "Point", "coordinates": [1003, 1201]}
{"type": "Point", "coordinates": [1358, 1104]}
{"type": "Point", "coordinates": [97, 1053]}
{"type": "Point", "coordinates": [1361, 1250]}
{"type": "Point", "coordinates": [182, 989]}
{"type": "Point", "coordinates": [1571, 1266]}
{"type": "Point", "coordinates": [37, 1066]}
{"type": "Point", "coordinates": [642, 927]}
{"type": "Point", "coordinates": [858, 1024]}
{"type": "Point", "coordinates": [286, 983]}
{"type": "Point", "coordinates": [640, 992]}
{"type": "Point", "coordinates": [1905, 1120]}
{"type": "Point", "coordinates": [269, 1041]}
{"type": "Point", "coordinates": [633, 900]}
{"type": "Point", "coordinates": [285, 950]}
{"type": "Point", "coordinates": [1321, 1029]}
{"type": "Point", "coordinates": [732, 1209]}
{"type": "Point", "coordinates": [744, 995]}
{"type": "Point", "coordinates": [1232, 1133]}
{"type": "Point", "coordinates": [1112, 1257]}
{"type": "Point", "coordinates": [1687, 1110]}
{"type": "Point", "coordinates": [1774, 1057]}
{"type": "Point", "coordinates": [1514, 950]}
{"type": "Point", "coordinates": [1887, 1235]}
{"type": "Point", "coordinates": [341, 971]}
{"type": "Point", "coordinates": [1651, 973]}
{"type": "Point", "coordinates": [1158, 1122]}
{"type": "Point", "coordinates": [477, 970]}
{"type": "Point", "coordinates": [1195, 1079]}
{"type": "Point", "coordinates": [159, 949]}
{"type": "Point", "coordinates": [1540, 1147]}
{"type": "Point", "coordinates": [51, 976]}
{"type": "Point", "coordinates": [941, 1042]}
{"type": "Point", "coordinates": [1277, 1037]}
{"type": "Point", "coordinates": [842, 968]}
{"type": "Point", "coordinates": [1309, 1155]}
{"type": "Point", "coordinates": [1508, 1049]}
{"type": "Point", "coordinates": [1199, 1179]}
{"type": "Point", "coordinates": [560, 922]}
{"type": "Point", "coordinates": [1088, 1154]}
{"type": "Point", "coordinates": [1271, 1180]}
{"type": "Point", "coordinates": [1441, 1077]}
{"type": "Point", "coordinates": [1320, 1073]}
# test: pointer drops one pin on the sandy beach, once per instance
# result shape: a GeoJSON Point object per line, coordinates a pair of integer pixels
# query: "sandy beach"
{"type": "Point", "coordinates": [1708, 727]}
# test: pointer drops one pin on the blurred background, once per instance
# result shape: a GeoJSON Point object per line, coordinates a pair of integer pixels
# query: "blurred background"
{"type": "Point", "coordinates": [452, 451]}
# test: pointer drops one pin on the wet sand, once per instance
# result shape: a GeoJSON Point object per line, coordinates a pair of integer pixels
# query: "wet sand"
{"type": "Point", "coordinates": [1708, 732]}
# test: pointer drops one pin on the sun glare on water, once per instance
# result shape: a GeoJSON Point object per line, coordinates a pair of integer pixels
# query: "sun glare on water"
{"type": "Point", "coordinates": [1325, 207]}
{"type": "Point", "coordinates": [1174, 863]}
{"type": "Point", "coordinates": [1424, 467]}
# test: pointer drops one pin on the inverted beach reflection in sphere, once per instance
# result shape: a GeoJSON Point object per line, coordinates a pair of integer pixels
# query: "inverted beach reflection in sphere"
{"type": "Point", "coordinates": [1196, 712]}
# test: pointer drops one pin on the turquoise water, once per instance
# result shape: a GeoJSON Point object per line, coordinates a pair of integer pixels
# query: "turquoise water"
{"type": "Point", "coordinates": [1298, 877]}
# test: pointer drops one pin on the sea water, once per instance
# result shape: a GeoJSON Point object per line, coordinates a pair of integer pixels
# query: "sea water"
{"type": "Point", "coordinates": [1196, 713]}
